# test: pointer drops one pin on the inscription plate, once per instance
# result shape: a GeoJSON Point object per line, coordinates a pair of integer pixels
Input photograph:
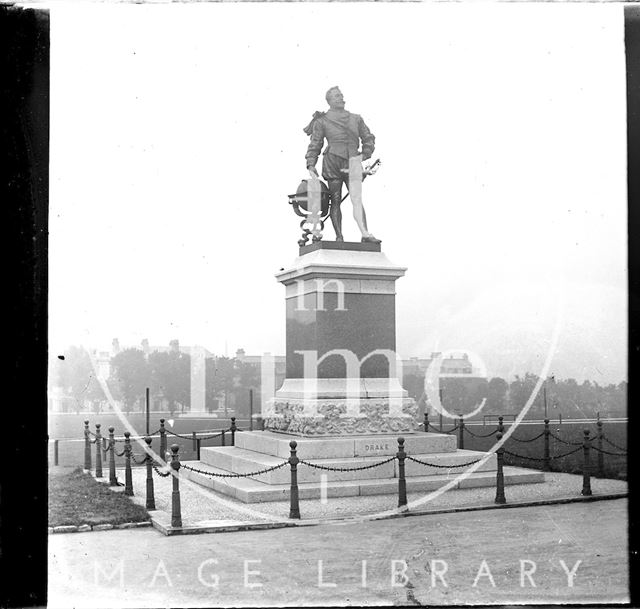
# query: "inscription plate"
{"type": "Point", "coordinates": [371, 447]}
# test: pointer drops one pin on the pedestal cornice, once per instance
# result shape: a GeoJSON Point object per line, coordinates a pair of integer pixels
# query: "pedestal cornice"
{"type": "Point", "coordinates": [337, 264]}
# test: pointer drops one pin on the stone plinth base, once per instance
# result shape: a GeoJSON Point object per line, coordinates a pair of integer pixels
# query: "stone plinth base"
{"type": "Point", "coordinates": [259, 450]}
{"type": "Point", "coordinates": [277, 445]}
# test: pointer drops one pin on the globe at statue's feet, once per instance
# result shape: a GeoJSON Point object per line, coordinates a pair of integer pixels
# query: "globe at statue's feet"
{"type": "Point", "coordinates": [371, 239]}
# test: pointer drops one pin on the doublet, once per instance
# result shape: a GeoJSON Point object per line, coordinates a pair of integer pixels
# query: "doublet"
{"type": "Point", "coordinates": [343, 131]}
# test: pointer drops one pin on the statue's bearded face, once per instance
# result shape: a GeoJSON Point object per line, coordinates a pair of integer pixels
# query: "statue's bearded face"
{"type": "Point", "coordinates": [335, 99]}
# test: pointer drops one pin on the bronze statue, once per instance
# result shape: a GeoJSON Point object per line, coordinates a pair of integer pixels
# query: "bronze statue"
{"type": "Point", "coordinates": [344, 132]}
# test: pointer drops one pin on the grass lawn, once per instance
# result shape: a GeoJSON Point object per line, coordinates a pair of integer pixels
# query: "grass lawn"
{"type": "Point", "coordinates": [75, 498]}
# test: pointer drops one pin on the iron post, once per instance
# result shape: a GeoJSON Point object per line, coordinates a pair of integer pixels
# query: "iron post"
{"type": "Point", "coordinates": [547, 456]}
{"type": "Point", "coordinates": [294, 508]}
{"type": "Point", "coordinates": [600, 453]}
{"type": "Point", "coordinates": [98, 452]}
{"type": "Point", "coordinates": [113, 480]}
{"type": "Point", "coordinates": [163, 441]}
{"type": "Point", "coordinates": [128, 479]}
{"type": "Point", "coordinates": [586, 466]}
{"type": "Point", "coordinates": [151, 501]}
{"type": "Point", "coordinates": [500, 498]}
{"type": "Point", "coordinates": [176, 514]}
{"type": "Point", "coordinates": [87, 447]}
{"type": "Point", "coordinates": [402, 481]}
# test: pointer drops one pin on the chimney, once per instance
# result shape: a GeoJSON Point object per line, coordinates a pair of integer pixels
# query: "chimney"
{"type": "Point", "coordinates": [175, 345]}
{"type": "Point", "coordinates": [240, 354]}
{"type": "Point", "coordinates": [115, 346]}
{"type": "Point", "coordinates": [145, 346]}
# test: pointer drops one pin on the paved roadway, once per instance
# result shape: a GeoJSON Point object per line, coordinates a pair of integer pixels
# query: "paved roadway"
{"type": "Point", "coordinates": [142, 568]}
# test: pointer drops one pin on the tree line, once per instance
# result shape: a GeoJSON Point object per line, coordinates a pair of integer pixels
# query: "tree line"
{"type": "Point", "coordinates": [167, 374]}
{"type": "Point", "coordinates": [227, 381]}
{"type": "Point", "coordinates": [565, 397]}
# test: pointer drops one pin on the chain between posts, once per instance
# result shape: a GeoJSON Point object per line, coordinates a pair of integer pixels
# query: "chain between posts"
{"type": "Point", "coordinates": [566, 441]}
{"type": "Point", "coordinates": [575, 450]}
{"type": "Point", "coordinates": [512, 437]}
{"type": "Point", "coordinates": [442, 466]}
{"type": "Point", "coordinates": [480, 435]}
{"type": "Point", "coordinates": [614, 445]}
{"type": "Point", "coordinates": [177, 435]}
{"type": "Point", "coordinates": [157, 470]}
{"type": "Point", "coordinates": [247, 475]}
{"type": "Point", "coordinates": [346, 469]}
{"type": "Point", "coordinates": [601, 450]}
{"type": "Point", "coordinates": [436, 430]}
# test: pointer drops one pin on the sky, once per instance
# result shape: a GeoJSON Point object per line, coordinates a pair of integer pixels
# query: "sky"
{"type": "Point", "coordinates": [176, 136]}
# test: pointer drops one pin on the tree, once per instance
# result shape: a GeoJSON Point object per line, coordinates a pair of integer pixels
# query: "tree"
{"type": "Point", "coordinates": [170, 375]}
{"type": "Point", "coordinates": [220, 379]}
{"type": "Point", "coordinates": [247, 377]}
{"type": "Point", "coordinates": [130, 370]}
{"type": "Point", "coordinates": [414, 385]}
{"type": "Point", "coordinates": [497, 395]}
{"type": "Point", "coordinates": [520, 391]}
{"type": "Point", "coordinates": [461, 395]}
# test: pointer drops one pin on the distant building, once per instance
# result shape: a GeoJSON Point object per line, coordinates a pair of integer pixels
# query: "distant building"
{"type": "Point", "coordinates": [452, 365]}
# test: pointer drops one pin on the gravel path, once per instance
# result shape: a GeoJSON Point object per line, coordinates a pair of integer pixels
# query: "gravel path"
{"type": "Point", "coordinates": [201, 505]}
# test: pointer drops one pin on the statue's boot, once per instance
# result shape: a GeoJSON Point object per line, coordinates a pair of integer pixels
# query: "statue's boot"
{"type": "Point", "coordinates": [370, 239]}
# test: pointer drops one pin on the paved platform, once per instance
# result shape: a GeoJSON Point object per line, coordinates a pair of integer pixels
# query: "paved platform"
{"type": "Point", "coordinates": [323, 565]}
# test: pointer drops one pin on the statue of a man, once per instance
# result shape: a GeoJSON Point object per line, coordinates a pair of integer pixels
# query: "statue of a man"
{"type": "Point", "coordinates": [343, 131]}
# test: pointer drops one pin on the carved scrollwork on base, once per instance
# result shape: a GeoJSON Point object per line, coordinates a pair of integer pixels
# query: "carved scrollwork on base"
{"type": "Point", "coordinates": [292, 416]}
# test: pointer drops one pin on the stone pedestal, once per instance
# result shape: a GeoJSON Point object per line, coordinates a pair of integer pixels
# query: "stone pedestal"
{"type": "Point", "coordinates": [341, 398]}
{"type": "Point", "coordinates": [342, 368]}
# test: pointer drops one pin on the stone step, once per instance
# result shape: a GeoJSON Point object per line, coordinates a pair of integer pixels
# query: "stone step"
{"type": "Point", "coordinates": [242, 461]}
{"type": "Point", "coordinates": [248, 490]}
{"type": "Point", "coordinates": [277, 444]}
